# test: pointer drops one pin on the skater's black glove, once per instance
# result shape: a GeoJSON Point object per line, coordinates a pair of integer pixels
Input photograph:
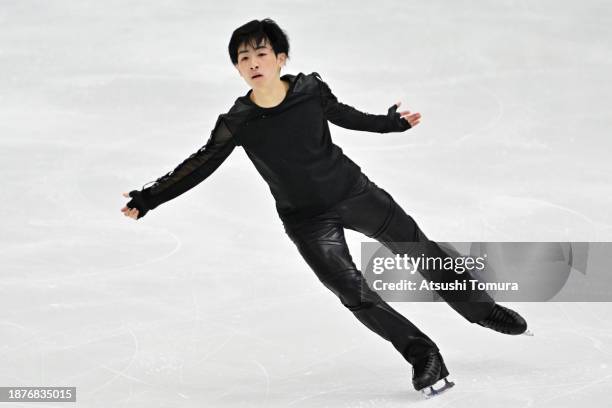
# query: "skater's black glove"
{"type": "Point", "coordinates": [398, 124]}
{"type": "Point", "coordinates": [138, 202]}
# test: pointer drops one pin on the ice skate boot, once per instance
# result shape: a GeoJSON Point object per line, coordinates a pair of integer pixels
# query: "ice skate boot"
{"type": "Point", "coordinates": [427, 371]}
{"type": "Point", "coordinates": [505, 321]}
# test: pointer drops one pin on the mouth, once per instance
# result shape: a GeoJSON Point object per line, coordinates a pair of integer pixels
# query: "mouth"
{"type": "Point", "coordinates": [256, 76]}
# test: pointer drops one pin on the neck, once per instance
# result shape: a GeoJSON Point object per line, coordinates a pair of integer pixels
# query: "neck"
{"type": "Point", "coordinates": [271, 95]}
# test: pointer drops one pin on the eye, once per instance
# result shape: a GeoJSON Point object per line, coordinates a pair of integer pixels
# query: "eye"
{"type": "Point", "coordinates": [262, 54]}
{"type": "Point", "coordinates": [243, 58]}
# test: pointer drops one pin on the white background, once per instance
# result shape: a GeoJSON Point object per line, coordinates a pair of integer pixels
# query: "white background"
{"type": "Point", "coordinates": [205, 301]}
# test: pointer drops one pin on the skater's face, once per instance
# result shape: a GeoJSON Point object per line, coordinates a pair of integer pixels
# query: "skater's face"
{"type": "Point", "coordinates": [259, 66]}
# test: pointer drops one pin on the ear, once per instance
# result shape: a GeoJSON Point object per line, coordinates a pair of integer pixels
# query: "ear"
{"type": "Point", "coordinates": [282, 58]}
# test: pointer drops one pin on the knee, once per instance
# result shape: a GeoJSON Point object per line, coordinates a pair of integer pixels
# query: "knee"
{"type": "Point", "coordinates": [357, 303]}
{"type": "Point", "coordinates": [357, 306]}
{"type": "Point", "coordinates": [353, 300]}
{"type": "Point", "coordinates": [353, 291]}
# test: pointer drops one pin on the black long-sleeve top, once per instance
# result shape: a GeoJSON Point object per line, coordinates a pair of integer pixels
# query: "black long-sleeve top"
{"type": "Point", "coordinates": [289, 144]}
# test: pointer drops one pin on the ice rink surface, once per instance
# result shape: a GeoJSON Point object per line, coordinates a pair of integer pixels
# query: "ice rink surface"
{"type": "Point", "coordinates": [205, 302]}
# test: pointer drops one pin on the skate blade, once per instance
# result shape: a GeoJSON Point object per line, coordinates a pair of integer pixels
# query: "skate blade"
{"type": "Point", "coordinates": [528, 333]}
{"type": "Point", "coordinates": [430, 392]}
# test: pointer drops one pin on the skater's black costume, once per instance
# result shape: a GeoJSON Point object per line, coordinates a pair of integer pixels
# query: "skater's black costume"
{"type": "Point", "coordinates": [319, 191]}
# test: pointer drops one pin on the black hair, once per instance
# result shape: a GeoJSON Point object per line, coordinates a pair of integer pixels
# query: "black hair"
{"type": "Point", "coordinates": [256, 31]}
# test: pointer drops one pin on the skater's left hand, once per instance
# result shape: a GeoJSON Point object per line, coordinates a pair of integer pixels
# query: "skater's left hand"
{"type": "Point", "coordinates": [413, 118]}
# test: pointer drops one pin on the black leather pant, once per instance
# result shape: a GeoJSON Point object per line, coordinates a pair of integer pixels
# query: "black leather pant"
{"type": "Point", "coordinates": [372, 211]}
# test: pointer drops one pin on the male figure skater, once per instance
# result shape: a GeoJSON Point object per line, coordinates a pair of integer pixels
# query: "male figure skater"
{"type": "Point", "coordinates": [282, 124]}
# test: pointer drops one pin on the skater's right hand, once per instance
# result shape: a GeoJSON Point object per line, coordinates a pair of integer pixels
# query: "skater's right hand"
{"type": "Point", "coordinates": [135, 208]}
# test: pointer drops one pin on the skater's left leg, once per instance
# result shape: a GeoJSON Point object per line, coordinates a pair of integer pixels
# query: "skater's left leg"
{"type": "Point", "coordinates": [373, 212]}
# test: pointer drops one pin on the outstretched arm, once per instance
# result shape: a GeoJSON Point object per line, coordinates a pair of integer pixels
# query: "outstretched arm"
{"type": "Point", "coordinates": [348, 117]}
{"type": "Point", "coordinates": [192, 171]}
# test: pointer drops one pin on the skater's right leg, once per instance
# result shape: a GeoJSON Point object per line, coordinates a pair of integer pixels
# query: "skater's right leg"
{"type": "Point", "coordinates": [322, 244]}
{"type": "Point", "coordinates": [428, 371]}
